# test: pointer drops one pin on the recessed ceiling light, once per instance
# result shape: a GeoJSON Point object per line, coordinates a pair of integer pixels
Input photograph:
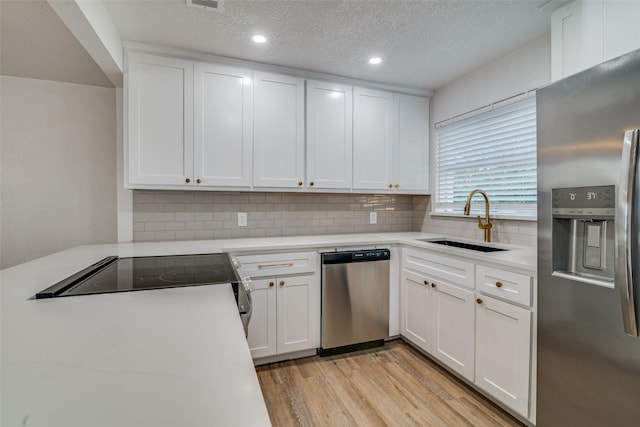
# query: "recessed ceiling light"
{"type": "Point", "coordinates": [375, 60]}
{"type": "Point", "coordinates": [259, 38]}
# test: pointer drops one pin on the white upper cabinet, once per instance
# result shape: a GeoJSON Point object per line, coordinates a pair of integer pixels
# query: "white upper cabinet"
{"type": "Point", "coordinates": [576, 38]}
{"type": "Point", "coordinates": [329, 135]}
{"type": "Point", "coordinates": [373, 138]}
{"type": "Point", "coordinates": [278, 131]}
{"type": "Point", "coordinates": [621, 27]}
{"type": "Point", "coordinates": [159, 93]}
{"type": "Point", "coordinates": [391, 145]}
{"type": "Point", "coordinates": [197, 125]}
{"type": "Point", "coordinates": [412, 144]}
{"type": "Point", "coordinates": [223, 126]}
{"type": "Point", "coordinates": [586, 33]}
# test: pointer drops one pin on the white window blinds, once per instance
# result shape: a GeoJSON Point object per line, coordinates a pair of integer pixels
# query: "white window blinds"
{"type": "Point", "coordinates": [494, 151]}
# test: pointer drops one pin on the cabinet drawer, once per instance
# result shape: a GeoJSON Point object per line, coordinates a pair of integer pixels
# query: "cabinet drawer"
{"type": "Point", "coordinates": [437, 266]}
{"type": "Point", "coordinates": [504, 284]}
{"type": "Point", "coordinates": [270, 265]}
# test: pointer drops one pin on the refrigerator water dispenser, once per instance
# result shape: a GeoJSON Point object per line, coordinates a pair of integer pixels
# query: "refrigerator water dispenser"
{"type": "Point", "coordinates": [583, 234]}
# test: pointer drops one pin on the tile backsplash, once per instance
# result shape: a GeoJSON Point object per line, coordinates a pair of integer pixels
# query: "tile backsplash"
{"type": "Point", "coordinates": [189, 215]}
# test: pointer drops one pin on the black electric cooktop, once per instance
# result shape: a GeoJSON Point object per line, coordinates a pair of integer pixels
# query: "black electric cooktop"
{"type": "Point", "coordinates": [115, 274]}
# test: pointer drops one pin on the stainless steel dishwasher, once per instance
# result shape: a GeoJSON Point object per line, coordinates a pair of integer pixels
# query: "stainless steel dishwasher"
{"type": "Point", "coordinates": [355, 300]}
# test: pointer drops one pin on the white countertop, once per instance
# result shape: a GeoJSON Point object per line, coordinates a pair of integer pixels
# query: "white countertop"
{"type": "Point", "coordinates": [165, 357]}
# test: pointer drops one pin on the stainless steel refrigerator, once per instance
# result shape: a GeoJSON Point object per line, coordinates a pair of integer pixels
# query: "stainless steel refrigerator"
{"type": "Point", "coordinates": [588, 243]}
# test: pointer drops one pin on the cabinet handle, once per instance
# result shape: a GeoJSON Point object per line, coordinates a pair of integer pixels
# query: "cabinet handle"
{"type": "Point", "coordinates": [198, 181]}
{"type": "Point", "coordinates": [426, 282]}
{"type": "Point", "coordinates": [433, 285]}
{"type": "Point", "coordinates": [187, 180]}
{"type": "Point", "coordinates": [479, 301]}
{"type": "Point", "coordinates": [271, 284]}
{"type": "Point", "coordinates": [397, 185]}
{"type": "Point", "coordinates": [498, 284]}
{"type": "Point", "coordinates": [390, 185]}
{"type": "Point", "coordinates": [282, 283]}
{"type": "Point", "coordinates": [299, 183]}
{"type": "Point", "coordinates": [275, 265]}
{"type": "Point", "coordinates": [311, 183]}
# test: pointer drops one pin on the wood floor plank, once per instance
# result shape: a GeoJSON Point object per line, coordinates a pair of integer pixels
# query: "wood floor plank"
{"type": "Point", "coordinates": [394, 385]}
{"type": "Point", "coordinates": [354, 398]}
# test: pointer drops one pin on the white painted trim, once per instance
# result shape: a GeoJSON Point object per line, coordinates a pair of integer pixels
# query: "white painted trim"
{"type": "Point", "coordinates": [123, 195]}
{"type": "Point", "coordinates": [90, 22]}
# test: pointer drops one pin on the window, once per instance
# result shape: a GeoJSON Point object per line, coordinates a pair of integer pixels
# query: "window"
{"type": "Point", "coordinates": [494, 151]}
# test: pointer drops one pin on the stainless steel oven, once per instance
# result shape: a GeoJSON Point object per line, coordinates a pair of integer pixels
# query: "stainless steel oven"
{"type": "Point", "coordinates": [114, 274]}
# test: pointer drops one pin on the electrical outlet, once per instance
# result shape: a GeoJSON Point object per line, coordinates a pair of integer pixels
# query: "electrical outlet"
{"type": "Point", "coordinates": [373, 217]}
{"type": "Point", "coordinates": [242, 219]}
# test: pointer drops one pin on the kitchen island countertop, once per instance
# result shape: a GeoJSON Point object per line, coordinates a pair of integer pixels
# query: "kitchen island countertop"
{"type": "Point", "coordinates": [163, 357]}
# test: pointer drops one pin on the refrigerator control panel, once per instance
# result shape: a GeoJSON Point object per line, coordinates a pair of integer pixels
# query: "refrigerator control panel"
{"type": "Point", "coordinates": [584, 202]}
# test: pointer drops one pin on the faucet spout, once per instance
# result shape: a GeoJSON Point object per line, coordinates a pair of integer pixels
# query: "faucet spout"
{"type": "Point", "coordinates": [486, 226]}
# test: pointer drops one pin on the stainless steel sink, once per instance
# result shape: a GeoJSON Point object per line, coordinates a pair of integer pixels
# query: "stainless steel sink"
{"type": "Point", "coordinates": [463, 245]}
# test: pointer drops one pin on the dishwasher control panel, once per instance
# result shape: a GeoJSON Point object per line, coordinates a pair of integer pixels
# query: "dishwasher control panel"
{"type": "Point", "coordinates": [356, 256]}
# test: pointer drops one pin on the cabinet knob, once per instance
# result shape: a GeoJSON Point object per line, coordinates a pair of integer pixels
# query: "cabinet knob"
{"type": "Point", "coordinates": [433, 285]}
{"type": "Point", "coordinates": [498, 284]}
{"type": "Point", "coordinates": [299, 183]}
{"type": "Point", "coordinates": [390, 185]}
{"type": "Point", "coordinates": [426, 282]}
{"type": "Point", "coordinates": [397, 185]}
{"type": "Point", "coordinates": [479, 301]}
{"type": "Point", "coordinates": [187, 180]}
{"type": "Point", "coordinates": [198, 181]}
{"type": "Point", "coordinates": [282, 283]}
{"type": "Point", "coordinates": [311, 183]}
{"type": "Point", "coordinates": [271, 284]}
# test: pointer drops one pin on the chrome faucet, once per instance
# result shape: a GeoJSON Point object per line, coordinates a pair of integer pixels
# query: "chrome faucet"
{"type": "Point", "coordinates": [486, 226]}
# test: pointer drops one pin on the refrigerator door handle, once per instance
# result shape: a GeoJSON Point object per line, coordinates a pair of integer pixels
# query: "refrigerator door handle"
{"type": "Point", "coordinates": [624, 220]}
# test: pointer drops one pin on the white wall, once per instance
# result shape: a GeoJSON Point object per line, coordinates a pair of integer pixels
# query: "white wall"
{"type": "Point", "coordinates": [58, 158]}
{"type": "Point", "coordinates": [519, 71]}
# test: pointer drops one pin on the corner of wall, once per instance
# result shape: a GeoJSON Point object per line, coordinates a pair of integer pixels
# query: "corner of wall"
{"type": "Point", "coordinates": [124, 196]}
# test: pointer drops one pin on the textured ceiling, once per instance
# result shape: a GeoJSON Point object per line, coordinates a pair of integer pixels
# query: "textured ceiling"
{"type": "Point", "coordinates": [424, 44]}
{"type": "Point", "coordinates": [36, 44]}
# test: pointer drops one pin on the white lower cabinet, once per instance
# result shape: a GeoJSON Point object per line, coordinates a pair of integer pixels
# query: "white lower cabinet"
{"type": "Point", "coordinates": [286, 315]}
{"type": "Point", "coordinates": [439, 318]}
{"type": "Point", "coordinates": [482, 331]}
{"type": "Point", "coordinates": [263, 325]}
{"type": "Point", "coordinates": [503, 352]}
{"type": "Point", "coordinates": [286, 302]}
{"type": "Point", "coordinates": [452, 328]}
{"type": "Point", "coordinates": [415, 299]}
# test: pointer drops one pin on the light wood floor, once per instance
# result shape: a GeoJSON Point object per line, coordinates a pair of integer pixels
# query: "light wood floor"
{"type": "Point", "coordinates": [392, 385]}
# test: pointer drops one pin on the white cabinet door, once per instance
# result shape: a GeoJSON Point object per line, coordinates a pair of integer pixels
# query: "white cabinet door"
{"type": "Point", "coordinates": [278, 131]}
{"type": "Point", "coordinates": [373, 139]}
{"type": "Point", "coordinates": [621, 27]}
{"type": "Point", "coordinates": [453, 328]}
{"type": "Point", "coordinates": [503, 352]}
{"type": "Point", "coordinates": [298, 313]}
{"type": "Point", "coordinates": [262, 326]}
{"type": "Point", "coordinates": [415, 310]}
{"type": "Point", "coordinates": [223, 126]}
{"type": "Point", "coordinates": [576, 37]}
{"type": "Point", "coordinates": [412, 143]}
{"type": "Point", "coordinates": [329, 135]}
{"type": "Point", "coordinates": [160, 119]}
